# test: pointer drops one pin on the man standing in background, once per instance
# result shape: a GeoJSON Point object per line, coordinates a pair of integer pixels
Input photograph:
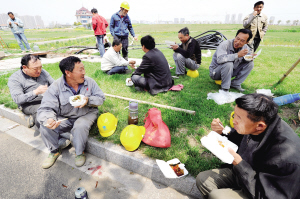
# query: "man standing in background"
{"type": "Point", "coordinates": [99, 26]}
{"type": "Point", "coordinates": [120, 26]}
{"type": "Point", "coordinates": [257, 22]}
{"type": "Point", "coordinates": [16, 26]}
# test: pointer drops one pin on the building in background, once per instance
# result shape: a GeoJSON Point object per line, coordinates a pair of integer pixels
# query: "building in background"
{"type": "Point", "coordinates": [181, 20]}
{"type": "Point", "coordinates": [272, 20]}
{"type": "Point", "coordinates": [84, 16]}
{"type": "Point", "coordinates": [176, 21]}
{"type": "Point", "coordinates": [227, 19]}
{"type": "Point", "coordinates": [240, 18]}
{"type": "Point", "coordinates": [233, 21]}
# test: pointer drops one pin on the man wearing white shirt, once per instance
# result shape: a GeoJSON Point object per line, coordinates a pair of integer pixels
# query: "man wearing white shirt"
{"type": "Point", "coordinates": [113, 63]}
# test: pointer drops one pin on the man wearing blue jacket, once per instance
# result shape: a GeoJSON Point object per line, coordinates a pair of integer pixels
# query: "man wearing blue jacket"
{"type": "Point", "coordinates": [120, 26]}
{"type": "Point", "coordinates": [16, 26]}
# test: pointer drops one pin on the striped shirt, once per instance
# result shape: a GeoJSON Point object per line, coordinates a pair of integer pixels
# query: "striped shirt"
{"type": "Point", "coordinates": [21, 87]}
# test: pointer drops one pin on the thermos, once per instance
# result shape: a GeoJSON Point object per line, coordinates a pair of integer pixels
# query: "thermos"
{"type": "Point", "coordinates": [286, 99]}
{"type": "Point", "coordinates": [133, 114]}
{"type": "Point", "coordinates": [81, 193]}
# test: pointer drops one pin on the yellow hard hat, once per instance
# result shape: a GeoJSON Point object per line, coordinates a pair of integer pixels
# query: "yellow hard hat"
{"type": "Point", "coordinates": [219, 82]}
{"type": "Point", "coordinates": [192, 73]}
{"type": "Point", "coordinates": [125, 5]}
{"type": "Point", "coordinates": [132, 136]}
{"type": "Point", "coordinates": [231, 119]}
{"type": "Point", "coordinates": [107, 124]}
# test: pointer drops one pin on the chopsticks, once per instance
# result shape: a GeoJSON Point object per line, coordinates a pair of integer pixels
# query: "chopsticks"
{"type": "Point", "coordinates": [57, 121]}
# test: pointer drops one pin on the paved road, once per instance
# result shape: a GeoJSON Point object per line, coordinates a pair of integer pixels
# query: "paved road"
{"type": "Point", "coordinates": [22, 153]}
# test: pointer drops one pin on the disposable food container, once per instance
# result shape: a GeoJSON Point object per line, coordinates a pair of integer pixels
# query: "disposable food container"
{"type": "Point", "coordinates": [168, 171]}
{"type": "Point", "coordinates": [77, 100]}
{"type": "Point", "coordinates": [219, 145]}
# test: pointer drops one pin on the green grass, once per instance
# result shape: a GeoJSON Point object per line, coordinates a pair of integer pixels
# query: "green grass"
{"type": "Point", "coordinates": [187, 130]}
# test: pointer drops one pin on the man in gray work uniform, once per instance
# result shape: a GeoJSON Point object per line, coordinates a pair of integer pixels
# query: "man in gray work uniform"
{"type": "Point", "coordinates": [228, 61]}
{"type": "Point", "coordinates": [28, 85]}
{"type": "Point", "coordinates": [55, 106]}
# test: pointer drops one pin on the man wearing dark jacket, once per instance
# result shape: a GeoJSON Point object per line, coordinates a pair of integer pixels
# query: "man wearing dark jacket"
{"type": "Point", "coordinates": [187, 54]}
{"type": "Point", "coordinates": [157, 76]}
{"type": "Point", "coordinates": [99, 26]}
{"type": "Point", "coordinates": [267, 164]}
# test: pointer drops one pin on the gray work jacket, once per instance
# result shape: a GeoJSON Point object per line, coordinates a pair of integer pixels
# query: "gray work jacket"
{"type": "Point", "coordinates": [21, 87]}
{"type": "Point", "coordinates": [226, 53]}
{"type": "Point", "coordinates": [56, 104]}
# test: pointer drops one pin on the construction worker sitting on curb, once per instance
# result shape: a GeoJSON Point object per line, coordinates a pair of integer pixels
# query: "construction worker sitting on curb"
{"type": "Point", "coordinates": [28, 85]}
{"type": "Point", "coordinates": [157, 76]}
{"type": "Point", "coordinates": [56, 106]}
{"type": "Point", "coordinates": [228, 61]}
{"type": "Point", "coordinates": [113, 63]}
{"type": "Point", "coordinates": [187, 54]}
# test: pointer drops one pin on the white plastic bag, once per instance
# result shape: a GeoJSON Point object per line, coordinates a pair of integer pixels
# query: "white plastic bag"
{"type": "Point", "coordinates": [223, 97]}
{"type": "Point", "coordinates": [267, 92]}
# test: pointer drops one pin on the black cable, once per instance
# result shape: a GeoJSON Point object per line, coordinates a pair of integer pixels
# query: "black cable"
{"type": "Point", "coordinates": [210, 41]}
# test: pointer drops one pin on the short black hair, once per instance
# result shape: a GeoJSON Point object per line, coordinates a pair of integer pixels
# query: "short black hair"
{"type": "Point", "coordinates": [245, 31]}
{"type": "Point", "coordinates": [258, 3]}
{"type": "Point", "coordinates": [116, 42]}
{"type": "Point", "coordinates": [26, 58]}
{"type": "Point", "coordinates": [185, 31]}
{"type": "Point", "coordinates": [68, 64]}
{"type": "Point", "coordinates": [259, 107]}
{"type": "Point", "coordinates": [94, 10]}
{"type": "Point", "coordinates": [10, 13]}
{"type": "Point", "coordinates": [148, 41]}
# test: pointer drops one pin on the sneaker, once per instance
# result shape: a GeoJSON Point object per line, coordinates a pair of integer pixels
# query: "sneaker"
{"type": "Point", "coordinates": [128, 71]}
{"type": "Point", "coordinates": [80, 159]}
{"type": "Point", "coordinates": [30, 121]}
{"type": "Point", "coordinates": [23, 52]}
{"type": "Point", "coordinates": [138, 88]}
{"type": "Point", "coordinates": [51, 159]}
{"type": "Point", "coordinates": [63, 143]}
{"type": "Point", "coordinates": [239, 88]}
{"type": "Point", "coordinates": [30, 51]}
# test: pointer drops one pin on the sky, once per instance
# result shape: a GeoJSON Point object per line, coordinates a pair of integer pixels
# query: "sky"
{"type": "Point", "coordinates": [63, 11]}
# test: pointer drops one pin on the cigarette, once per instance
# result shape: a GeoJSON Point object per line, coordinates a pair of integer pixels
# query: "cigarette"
{"type": "Point", "coordinates": [57, 121]}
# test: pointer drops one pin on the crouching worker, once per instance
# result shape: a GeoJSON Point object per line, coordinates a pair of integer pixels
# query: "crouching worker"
{"type": "Point", "coordinates": [267, 163]}
{"type": "Point", "coordinates": [228, 61]}
{"type": "Point", "coordinates": [157, 76]}
{"type": "Point", "coordinates": [55, 106]}
{"type": "Point", "coordinates": [28, 85]}
{"type": "Point", "coordinates": [113, 63]}
{"type": "Point", "coordinates": [188, 54]}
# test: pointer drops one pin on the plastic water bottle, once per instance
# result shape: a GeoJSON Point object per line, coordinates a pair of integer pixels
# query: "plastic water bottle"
{"type": "Point", "coordinates": [81, 193]}
{"type": "Point", "coordinates": [36, 48]}
{"type": "Point", "coordinates": [286, 99]}
{"type": "Point", "coordinates": [133, 113]}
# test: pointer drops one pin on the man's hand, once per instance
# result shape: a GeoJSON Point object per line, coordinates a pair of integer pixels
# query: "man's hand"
{"type": "Point", "coordinates": [237, 158]}
{"type": "Point", "coordinates": [174, 47]}
{"type": "Point", "coordinates": [132, 66]}
{"type": "Point", "coordinates": [16, 23]}
{"type": "Point", "coordinates": [86, 101]}
{"type": "Point", "coordinates": [215, 126]}
{"type": "Point", "coordinates": [242, 53]}
{"type": "Point", "coordinates": [40, 90]}
{"type": "Point", "coordinates": [132, 62]}
{"type": "Point", "coordinates": [254, 13]}
{"type": "Point", "coordinates": [135, 38]}
{"type": "Point", "coordinates": [52, 124]}
{"type": "Point", "coordinates": [9, 23]}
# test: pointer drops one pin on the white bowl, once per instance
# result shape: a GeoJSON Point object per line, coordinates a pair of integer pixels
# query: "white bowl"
{"type": "Point", "coordinates": [79, 102]}
{"type": "Point", "coordinates": [248, 57]}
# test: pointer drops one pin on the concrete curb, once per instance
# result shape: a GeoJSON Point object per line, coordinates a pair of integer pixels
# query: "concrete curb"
{"type": "Point", "coordinates": [133, 161]}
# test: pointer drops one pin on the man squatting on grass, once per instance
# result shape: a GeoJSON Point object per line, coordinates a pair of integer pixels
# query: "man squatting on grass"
{"type": "Point", "coordinates": [55, 106]}
{"type": "Point", "coordinates": [267, 163]}
{"type": "Point", "coordinates": [228, 61]}
{"type": "Point", "coordinates": [257, 22]}
{"type": "Point", "coordinates": [187, 54]}
{"type": "Point", "coordinates": [28, 85]}
{"type": "Point", "coordinates": [157, 76]}
{"type": "Point", "coordinates": [113, 63]}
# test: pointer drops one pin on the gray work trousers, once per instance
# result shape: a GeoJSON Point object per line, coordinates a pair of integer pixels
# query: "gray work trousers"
{"type": "Point", "coordinates": [226, 71]}
{"type": "Point", "coordinates": [79, 129]}
{"type": "Point", "coordinates": [31, 110]}
{"type": "Point", "coordinates": [182, 62]}
{"type": "Point", "coordinates": [139, 81]}
{"type": "Point", "coordinates": [219, 184]}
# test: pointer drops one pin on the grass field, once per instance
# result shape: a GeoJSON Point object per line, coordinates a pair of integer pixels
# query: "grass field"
{"type": "Point", "coordinates": [187, 130]}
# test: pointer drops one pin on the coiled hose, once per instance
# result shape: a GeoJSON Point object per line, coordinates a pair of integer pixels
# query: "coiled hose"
{"type": "Point", "coordinates": [210, 41]}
